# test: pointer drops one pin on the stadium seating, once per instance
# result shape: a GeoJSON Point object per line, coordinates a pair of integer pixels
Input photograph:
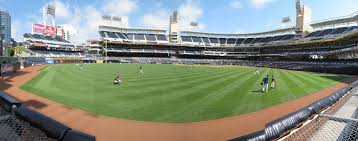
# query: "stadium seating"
{"type": "Point", "coordinates": [55, 53]}
{"type": "Point", "coordinates": [133, 37]}
{"type": "Point", "coordinates": [331, 32]}
{"type": "Point", "coordinates": [235, 41]}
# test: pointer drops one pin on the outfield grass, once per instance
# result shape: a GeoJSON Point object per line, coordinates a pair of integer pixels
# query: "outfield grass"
{"type": "Point", "coordinates": [171, 93]}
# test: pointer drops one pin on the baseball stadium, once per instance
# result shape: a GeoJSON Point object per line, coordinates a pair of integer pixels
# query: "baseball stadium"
{"type": "Point", "coordinates": [298, 82]}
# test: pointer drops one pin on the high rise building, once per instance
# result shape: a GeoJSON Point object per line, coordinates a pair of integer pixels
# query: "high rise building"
{"type": "Point", "coordinates": [5, 26]}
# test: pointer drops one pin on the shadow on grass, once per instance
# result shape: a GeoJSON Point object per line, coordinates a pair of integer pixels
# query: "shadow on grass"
{"type": "Point", "coordinates": [339, 78]}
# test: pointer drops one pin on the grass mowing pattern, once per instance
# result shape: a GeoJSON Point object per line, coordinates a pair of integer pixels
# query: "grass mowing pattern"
{"type": "Point", "coordinates": [171, 93]}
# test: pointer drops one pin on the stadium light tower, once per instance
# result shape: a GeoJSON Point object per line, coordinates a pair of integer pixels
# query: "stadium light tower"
{"type": "Point", "coordinates": [49, 13]}
{"type": "Point", "coordinates": [173, 27]}
{"type": "Point", "coordinates": [1, 45]}
{"type": "Point", "coordinates": [194, 26]}
{"type": "Point", "coordinates": [303, 18]}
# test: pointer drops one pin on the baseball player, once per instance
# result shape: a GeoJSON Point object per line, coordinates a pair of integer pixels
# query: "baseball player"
{"type": "Point", "coordinates": [272, 83]}
{"type": "Point", "coordinates": [141, 69]}
{"type": "Point", "coordinates": [265, 84]}
{"type": "Point", "coordinates": [117, 80]}
{"type": "Point", "coordinates": [81, 66]}
{"type": "Point", "coordinates": [257, 72]}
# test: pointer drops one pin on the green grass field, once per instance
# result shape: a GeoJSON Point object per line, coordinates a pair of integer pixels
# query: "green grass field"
{"type": "Point", "coordinates": [171, 93]}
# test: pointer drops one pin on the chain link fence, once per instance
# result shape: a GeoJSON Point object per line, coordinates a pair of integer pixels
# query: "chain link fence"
{"type": "Point", "coordinates": [334, 124]}
{"type": "Point", "coordinates": [15, 129]}
{"type": "Point", "coordinates": [327, 128]}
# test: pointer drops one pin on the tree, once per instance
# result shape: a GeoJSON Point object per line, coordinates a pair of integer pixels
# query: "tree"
{"type": "Point", "coordinates": [18, 51]}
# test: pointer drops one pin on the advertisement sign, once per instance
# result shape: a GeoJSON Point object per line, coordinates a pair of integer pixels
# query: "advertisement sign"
{"type": "Point", "coordinates": [6, 69]}
{"type": "Point", "coordinates": [50, 30]}
{"type": "Point", "coordinates": [50, 62]}
{"type": "Point", "coordinates": [38, 28]}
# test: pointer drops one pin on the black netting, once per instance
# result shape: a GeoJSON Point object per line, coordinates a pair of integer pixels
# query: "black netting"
{"type": "Point", "coordinates": [14, 129]}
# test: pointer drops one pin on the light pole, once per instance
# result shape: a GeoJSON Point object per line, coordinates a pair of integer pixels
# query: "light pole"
{"type": "Point", "coordinates": [105, 52]}
{"type": "Point", "coordinates": [1, 45]}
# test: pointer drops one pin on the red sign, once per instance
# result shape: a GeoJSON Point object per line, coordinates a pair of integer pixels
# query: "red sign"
{"type": "Point", "coordinates": [50, 30]}
{"type": "Point", "coordinates": [38, 28]}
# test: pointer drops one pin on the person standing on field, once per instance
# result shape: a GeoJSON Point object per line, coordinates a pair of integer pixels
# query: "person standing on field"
{"type": "Point", "coordinates": [81, 66]}
{"type": "Point", "coordinates": [265, 84]}
{"type": "Point", "coordinates": [257, 72]}
{"type": "Point", "coordinates": [273, 83]}
{"type": "Point", "coordinates": [140, 69]}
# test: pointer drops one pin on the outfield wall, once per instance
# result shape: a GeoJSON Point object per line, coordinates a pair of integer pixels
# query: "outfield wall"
{"type": "Point", "coordinates": [281, 127]}
{"type": "Point", "coordinates": [21, 123]}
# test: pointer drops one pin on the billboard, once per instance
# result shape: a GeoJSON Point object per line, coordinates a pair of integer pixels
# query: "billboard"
{"type": "Point", "coordinates": [50, 30]}
{"type": "Point", "coordinates": [38, 28]}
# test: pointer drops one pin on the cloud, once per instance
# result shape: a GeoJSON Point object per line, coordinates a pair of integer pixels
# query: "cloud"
{"type": "Point", "coordinates": [119, 7]}
{"type": "Point", "coordinates": [236, 4]}
{"type": "Point", "coordinates": [62, 10]}
{"type": "Point", "coordinates": [157, 20]}
{"type": "Point", "coordinates": [261, 3]}
{"type": "Point", "coordinates": [189, 12]}
{"type": "Point", "coordinates": [86, 20]}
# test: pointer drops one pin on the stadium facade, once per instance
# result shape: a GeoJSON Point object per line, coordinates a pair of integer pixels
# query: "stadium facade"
{"type": "Point", "coordinates": [323, 42]}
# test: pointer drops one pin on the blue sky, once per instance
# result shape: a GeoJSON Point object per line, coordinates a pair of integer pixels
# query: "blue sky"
{"type": "Point", "coordinates": [222, 16]}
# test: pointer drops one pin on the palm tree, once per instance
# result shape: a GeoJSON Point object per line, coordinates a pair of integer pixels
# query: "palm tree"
{"type": "Point", "coordinates": [18, 51]}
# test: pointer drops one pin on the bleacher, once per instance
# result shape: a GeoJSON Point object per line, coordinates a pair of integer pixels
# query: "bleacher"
{"type": "Point", "coordinates": [51, 46]}
{"type": "Point", "coordinates": [332, 32]}
{"type": "Point", "coordinates": [58, 54]}
{"type": "Point", "coordinates": [41, 39]}
{"type": "Point", "coordinates": [239, 41]}
{"type": "Point", "coordinates": [134, 37]}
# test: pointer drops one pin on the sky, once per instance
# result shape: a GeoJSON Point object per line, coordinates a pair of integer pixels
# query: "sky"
{"type": "Point", "coordinates": [219, 16]}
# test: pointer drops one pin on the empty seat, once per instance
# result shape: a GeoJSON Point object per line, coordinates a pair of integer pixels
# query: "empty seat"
{"type": "Point", "coordinates": [231, 41]}
{"type": "Point", "coordinates": [248, 41]}
{"type": "Point", "coordinates": [139, 37]}
{"type": "Point", "coordinates": [222, 41]}
{"type": "Point", "coordinates": [196, 39]}
{"type": "Point", "coordinates": [151, 37]}
{"type": "Point", "coordinates": [130, 36]}
{"type": "Point", "coordinates": [120, 35]}
{"type": "Point", "coordinates": [239, 41]}
{"type": "Point", "coordinates": [111, 35]}
{"type": "Point", "coordinates": [214, 40]}
{"type": "Point", "coordinates": [206, 40]}
{"type": "Point", "coordinates": [186, 39]}
{"type": "Point", "coordinates": [161, 37]}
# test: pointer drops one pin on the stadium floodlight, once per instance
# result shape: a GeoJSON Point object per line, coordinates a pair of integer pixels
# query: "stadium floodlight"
{"type": "Point", "coordinates": [1, 44]}
{"type": "Point", "coordinates": [106, 50]}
